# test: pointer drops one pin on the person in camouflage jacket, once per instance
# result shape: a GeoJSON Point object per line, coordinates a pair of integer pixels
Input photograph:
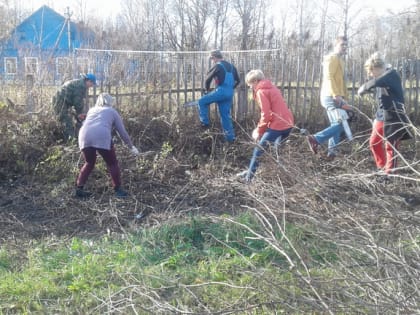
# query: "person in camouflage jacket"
{"type": "Point", "coordinates": [71, 95]}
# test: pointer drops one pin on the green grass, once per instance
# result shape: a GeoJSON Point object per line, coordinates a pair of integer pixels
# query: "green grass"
{"type": "Point", "coordinates": [216, 258]}
{"type": "Point", "coordinates": [196, 265]}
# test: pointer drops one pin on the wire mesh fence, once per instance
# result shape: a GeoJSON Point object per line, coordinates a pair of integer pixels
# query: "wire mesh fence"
{"type": "Point", "coordinates": [164, 80]}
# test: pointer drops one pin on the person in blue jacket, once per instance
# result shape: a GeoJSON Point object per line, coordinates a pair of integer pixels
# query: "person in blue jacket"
{"type": "Point", "coordinates": [226, 79]}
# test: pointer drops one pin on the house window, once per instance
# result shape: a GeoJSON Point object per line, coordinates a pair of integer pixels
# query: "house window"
{"type": "Point", "coordinates": [63, 66]}
{"type": "Point", "coordinates": [82, 65]}
{"type": "Point", "coordinates": [10, 65]}
{"type": "Point", "coordinates": [31, 65]}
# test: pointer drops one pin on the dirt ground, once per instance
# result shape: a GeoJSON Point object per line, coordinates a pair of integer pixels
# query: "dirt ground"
{"type": "Point", "coordinates": [184, 171]}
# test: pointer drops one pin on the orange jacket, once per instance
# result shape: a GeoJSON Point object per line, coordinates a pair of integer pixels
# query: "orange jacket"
{"type": "Point", "coordinates": [275, 113]}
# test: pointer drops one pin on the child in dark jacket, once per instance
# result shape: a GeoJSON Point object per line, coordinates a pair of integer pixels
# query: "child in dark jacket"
{"type": "Point", "coordinates": [390, 125]}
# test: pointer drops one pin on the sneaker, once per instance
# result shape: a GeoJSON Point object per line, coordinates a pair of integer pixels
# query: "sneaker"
{"type": "Point", "coordinates": [313, 144]}
{"type": "Point", "coordinates": [81, 193]}
{"type": "Point", "coordinates": [383, 179]}
{"type": "Point", "coordinates": [242, 174]}
{"type": "Point", "coordinates": [380, 172]}
{"type": "Point", "coordinates": [411, 201]}
{"type": "Point", "coordinates": [243, 177]}
{"type": "Point", "coordinates": [119, 193]}
{"type": "Point", "coordinates": [330, 157]}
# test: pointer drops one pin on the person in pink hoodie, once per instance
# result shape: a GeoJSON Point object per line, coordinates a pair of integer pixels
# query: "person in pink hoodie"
{"type": "Point", "coordinates": [276, 121]}
{"type": "Point", "coordinates": [95, 137]}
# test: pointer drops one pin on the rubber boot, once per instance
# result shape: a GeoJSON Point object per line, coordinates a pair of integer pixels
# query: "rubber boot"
{"type": "Point", "coordinates": [81, 193]}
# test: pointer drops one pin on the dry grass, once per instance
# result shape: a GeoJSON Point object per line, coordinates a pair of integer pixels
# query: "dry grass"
{"type": "Point", "coordinates": [374, 226]}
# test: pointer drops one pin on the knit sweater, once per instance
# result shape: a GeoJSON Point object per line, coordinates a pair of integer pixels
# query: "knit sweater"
{"type": "Point", "coordinates": [97, 129]}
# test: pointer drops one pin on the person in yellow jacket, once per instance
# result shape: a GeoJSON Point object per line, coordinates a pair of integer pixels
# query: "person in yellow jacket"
{"type": "Point", "coordinates": [333, 96]}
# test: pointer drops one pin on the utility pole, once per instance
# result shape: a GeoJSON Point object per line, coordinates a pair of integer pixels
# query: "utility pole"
{"type": "Point", "coordinates": [68, 15]}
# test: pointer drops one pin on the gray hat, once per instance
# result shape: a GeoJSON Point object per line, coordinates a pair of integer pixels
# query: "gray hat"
{"type": "Point", "coordinates": [216, 54]}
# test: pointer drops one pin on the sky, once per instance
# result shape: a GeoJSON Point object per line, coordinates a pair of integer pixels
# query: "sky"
{"type": "Point", "coordinates": [109, 8]}
{"type": "Point", "coordinates": [393, 5]}
{"type": "Point", "coordinates": [98, 8]}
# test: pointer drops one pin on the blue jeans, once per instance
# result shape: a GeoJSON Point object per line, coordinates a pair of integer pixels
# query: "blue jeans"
{"type": "Point", "coordinates": [274, 136]}
{"type": "Point", "coordinates": [333, 132]}
{"type": "Point", "coordinates": [223, 97]}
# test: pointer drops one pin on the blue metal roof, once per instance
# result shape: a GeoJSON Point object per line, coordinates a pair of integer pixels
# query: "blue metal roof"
{"type": "Point", "coordinates": [46, 31]}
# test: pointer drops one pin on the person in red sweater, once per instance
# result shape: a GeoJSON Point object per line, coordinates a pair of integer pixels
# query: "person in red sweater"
{"type": "Point", "coordinates": [276, 120]}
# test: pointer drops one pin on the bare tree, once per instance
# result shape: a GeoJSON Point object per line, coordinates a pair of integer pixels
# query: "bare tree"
{"type": "Point", "coordinates": [323, 26]}
{"type": "Point", "coordinates": [175, 24]}
{"type": "Point", "coordinates": [250, 14]}
{"type": "Point", "coordinates": [81, 12]}
{"type": "Point", "coordinates": [131, 23]}
{"type": "Point", "coordinates": [197, 15]}
{"type": "Point", "coordinates": [5, 25]}
{"type": "Point", "coordinates": [220, 11]}
{"type": "Point", "coordinates": [11, 13]}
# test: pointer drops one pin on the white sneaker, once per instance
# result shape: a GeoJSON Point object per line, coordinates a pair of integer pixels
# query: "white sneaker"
{"type": "Point", "coordinates": [242, 174]}
{"type": "Point", "coordinates": [243, 177]}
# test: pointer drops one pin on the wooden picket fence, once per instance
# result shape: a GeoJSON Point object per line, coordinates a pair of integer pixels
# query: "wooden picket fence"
{"type": "Point", "coordinates": [163, 81]}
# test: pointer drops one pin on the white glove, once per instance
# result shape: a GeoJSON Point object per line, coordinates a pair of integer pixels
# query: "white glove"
{"type": "Point", "coordinates": [255, 134]}
{"type": "Point", "coordinates": [361, 90]}
{"type": "Point", "coordinates": [134, 151]}
{"type": "Point", "coordinates": [338, 100]}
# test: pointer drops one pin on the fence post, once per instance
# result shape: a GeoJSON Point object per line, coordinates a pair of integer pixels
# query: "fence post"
{"type": "Point", "coordinates": [29, 93]}
{"type": "Point", "coordinates": [417, 74]}
{"type": "Point", "coordinates": [242, 102]}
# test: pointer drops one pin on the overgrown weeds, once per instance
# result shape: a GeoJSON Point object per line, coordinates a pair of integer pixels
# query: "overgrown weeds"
{"type": "Point", "coordinates": [307, 236]}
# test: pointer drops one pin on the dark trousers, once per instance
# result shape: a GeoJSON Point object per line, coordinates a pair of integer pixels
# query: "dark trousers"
{"type": "Point", "coordinates": [110, 158]}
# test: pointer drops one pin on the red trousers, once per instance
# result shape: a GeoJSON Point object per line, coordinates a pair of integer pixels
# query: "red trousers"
{"type": "Point", "coordinates": [384, 151]}
{"type": "Point", "coordinates": [110, 159]}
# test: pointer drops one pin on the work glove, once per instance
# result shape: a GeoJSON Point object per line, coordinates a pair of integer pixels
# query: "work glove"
{"type": "Point", "coordinates": [255, 134]}
{"type": "Point", "coordinates": [134, 151]}
{"type": "Point", "coordinates": [352, 116]}
{"type": "Point", "coordinates": [81, 117]}
{"type": "Point", "coordinates": [361, 90]}
{"type": "Point", "coordinates": [347, 107]}
{"type": "Point", "coordinates": [338, 100]}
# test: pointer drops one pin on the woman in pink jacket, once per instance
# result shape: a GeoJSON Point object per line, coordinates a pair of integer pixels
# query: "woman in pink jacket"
{"type": "Point", "coordinates": [276, 120]}
{"type": "Point", "coordinates": [95, 136]}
